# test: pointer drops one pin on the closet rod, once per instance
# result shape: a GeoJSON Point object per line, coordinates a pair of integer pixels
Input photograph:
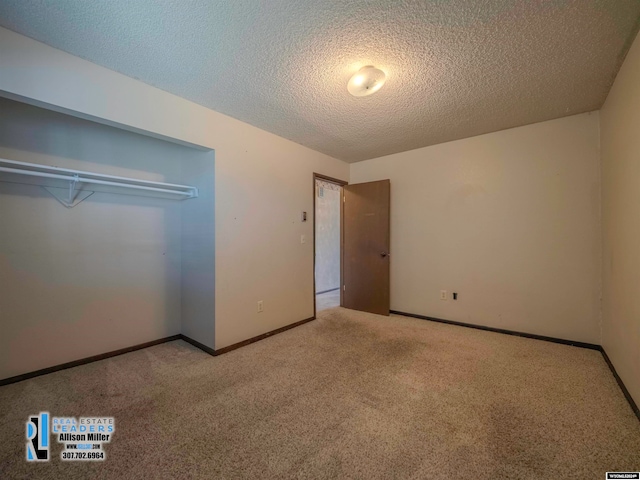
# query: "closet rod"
{"type": "Point", "coordinates": [78, 176]}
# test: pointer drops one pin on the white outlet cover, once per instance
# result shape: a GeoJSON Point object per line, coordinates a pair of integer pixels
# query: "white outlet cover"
{"type": "Point", "coordinates": [443, 294]}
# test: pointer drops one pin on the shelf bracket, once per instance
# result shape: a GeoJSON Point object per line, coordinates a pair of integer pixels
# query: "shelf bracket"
{"type": "Point", "coordinates": [71, 197]}
{"type": "Point", "coordinates": [72, 188]}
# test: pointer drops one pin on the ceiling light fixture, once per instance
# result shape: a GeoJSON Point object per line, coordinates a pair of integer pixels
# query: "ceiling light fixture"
{"type": "Point", "coordinates": [366, 81]}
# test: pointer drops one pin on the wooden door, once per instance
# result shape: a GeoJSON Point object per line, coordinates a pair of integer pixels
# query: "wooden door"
{"type": "Point", "coordinates": [366, 236]}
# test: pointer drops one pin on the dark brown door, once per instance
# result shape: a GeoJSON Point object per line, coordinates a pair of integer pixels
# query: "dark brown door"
{"type": "Point", "coordinates": [366, 247]}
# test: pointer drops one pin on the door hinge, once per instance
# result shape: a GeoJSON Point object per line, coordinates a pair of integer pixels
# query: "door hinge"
{"type": "Point", "coordinates": [344, 288]}
{"type": "Point", "coordinates": [344, 199]}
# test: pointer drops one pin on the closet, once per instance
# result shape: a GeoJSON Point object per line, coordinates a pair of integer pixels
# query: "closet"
{"type": "Point", "coordinates": [106, 239]}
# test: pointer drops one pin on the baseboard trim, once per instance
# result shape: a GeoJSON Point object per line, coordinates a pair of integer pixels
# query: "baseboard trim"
{"type": "Point", "coordinates": [179, 336]}
{"type": "Point", "coordinates": [83, 361]}
{"type": "Point", "coordinates": [262, 337]}
{"type": "Point", "coordinates": [621, 384]}
{"type": "Point", "coordinates": [199, 345]}
{"type": "Point", "coordinates": [327, 291]}
{"type": "Point", "coordinates": [590, 346]}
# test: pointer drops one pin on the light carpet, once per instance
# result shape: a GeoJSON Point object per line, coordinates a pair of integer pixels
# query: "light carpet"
{"type": "Point", "coordinates": [350, 395]}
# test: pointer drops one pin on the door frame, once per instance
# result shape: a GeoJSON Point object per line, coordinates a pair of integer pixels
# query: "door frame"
{"type": "Point", "coordinates": [342, 183]}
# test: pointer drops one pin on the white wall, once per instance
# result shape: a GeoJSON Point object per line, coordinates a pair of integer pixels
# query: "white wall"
{"type": "Point", "coordinates": [262, 181]}
{"type": "Point", "coordinates": [198, 251]}
{"type": "Point", "coordinates": [98, 277]}
{"type": "Point", "coordinates": [620, 143]}
{"type": "Point", "coordinates": [509, 220]}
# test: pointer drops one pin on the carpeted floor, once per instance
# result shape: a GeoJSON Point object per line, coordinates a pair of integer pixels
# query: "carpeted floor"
{"type": "Point", "coordinates": [350, 395]}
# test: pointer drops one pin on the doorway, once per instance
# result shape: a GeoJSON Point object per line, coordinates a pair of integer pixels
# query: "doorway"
{"type": "Point", "coordinates": [327, 194]}
{"type": "Point", "coordinates": [351, 240]}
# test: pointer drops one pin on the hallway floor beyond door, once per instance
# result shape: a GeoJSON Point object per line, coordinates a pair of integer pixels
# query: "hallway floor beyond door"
{"type": "Point", "coordinates": [328, 300]}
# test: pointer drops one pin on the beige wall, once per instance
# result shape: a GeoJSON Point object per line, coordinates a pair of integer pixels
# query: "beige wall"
{"type": "Point", "coordinates": [262, 181]}
{"type": "Point", "coordinates": [98, 277]}
{"type": "Point", "coordinates": [509, 220]}
{"type": "Point", "coordinates": [620, 143]}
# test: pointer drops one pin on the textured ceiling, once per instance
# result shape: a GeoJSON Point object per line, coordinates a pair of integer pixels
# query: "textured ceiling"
{"type": "Point", "coordinates": [455, 68]}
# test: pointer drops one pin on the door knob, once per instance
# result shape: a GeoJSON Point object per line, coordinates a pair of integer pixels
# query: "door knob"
{"type": "Point", "coordinates": [384, 254]}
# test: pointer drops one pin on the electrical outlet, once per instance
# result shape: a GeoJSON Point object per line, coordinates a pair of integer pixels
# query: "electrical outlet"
{"type": "Point", "coordinates": [260, 307]}
{"type": "Point", "coordinates": [443, 294]}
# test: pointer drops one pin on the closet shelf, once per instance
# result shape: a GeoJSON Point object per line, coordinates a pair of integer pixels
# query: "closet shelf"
{"type": "Point", "coordinates": [75, 177]}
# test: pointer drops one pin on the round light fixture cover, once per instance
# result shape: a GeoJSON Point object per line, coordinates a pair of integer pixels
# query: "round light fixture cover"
{"type": "Point", "coordinates": [366, 81]}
